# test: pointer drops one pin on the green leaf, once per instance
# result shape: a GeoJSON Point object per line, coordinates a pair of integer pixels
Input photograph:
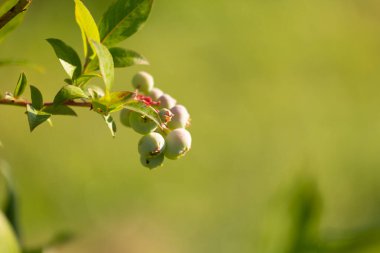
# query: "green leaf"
{"type": "Point", "coordinates": [68, 81]}
{"type": "Point", "coordinates": [11, 204]}
{"type": "Point", "coordinates": [86, 24]}
{"type": "Point", "coordinates": [35, 117]}
{"type": "Point", "coordinates": [111, 124]}
{"type": "Point", "coordinates": [114, 102]}
{"type": "Point", "coordinates": [37, 100]}
{"type": "Point", "coordinates": [99, 107]}
{"type": "Point", "coordinates": [68, 92]}
{"type": "Point", "coordinates": [121, 58]}
{"type": "Point", "coordinates": [105, 64]}
{"type": "Point", "coordinates": [68, 57]}
{"type": "Point", "coordinates": [59, 110]}
{"type": "Point", "coordinates": [21, 85]}
{"type": "Point", "coordinates": [16, 21]}
{"type": "Point", "coordinates": [142, 108]}
{"type": "Point", "coordinates": [122, 19]}
{"type": "Point", "coordinates": [83, 79]}
{"type": "Point", "coordinates": [8, 239]}
{"type": "Point", "coordinates": [125, 58]}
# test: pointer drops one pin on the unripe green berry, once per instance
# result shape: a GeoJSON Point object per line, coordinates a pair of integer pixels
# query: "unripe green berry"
{"type": "Point", "coordinates": [166, 101]}
{"type": "Point", "coordinates": [151, 145]}
{"type": "Point", "coordinates": [124, 117]}
{"type": "Point", "coordinates": [178, 143]}
{"type": "Point", "coordinates": [155, 93]}
{"type": "Point", "coordinates": [143, 81]}
{"type": "Point", "coordinates": [180, 117]}
{"type": "Point", "coordinates": [152, 162]}
{"type": "Point", "coordinates": [141, 124]}
{"type": "Point", "coordinates": [165, 115]}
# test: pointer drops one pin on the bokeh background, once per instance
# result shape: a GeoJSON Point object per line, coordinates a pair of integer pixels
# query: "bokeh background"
{"type": "Point", "coordinates": [278, 90]}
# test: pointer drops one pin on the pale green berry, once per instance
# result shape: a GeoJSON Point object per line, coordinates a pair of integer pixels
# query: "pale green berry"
{"type": "Point", "coordinates": [143, 81]}
{"type": "Point", "coordinates": [165, 115]}
{"type": "Point", "coordinates": [155, 93]}
{"type": "Point", "coordinates": [166, 101]}
{"type": "Point", "coordinates": [141, 124]}
{"type": "Point", "coordinates": [178, 143]}
{"type": "Point", "coordinates": [151, 145]}
{"type": "Point", "coordinates": [124, 117]}
{"type": "Point", "coordinates": [180, 117]}
{"type": "Point", "coordinates": [152, 162]}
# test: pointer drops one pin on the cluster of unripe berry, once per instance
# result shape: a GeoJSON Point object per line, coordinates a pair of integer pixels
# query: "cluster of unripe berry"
{"type": "Point", "coordinates": [173, 141]}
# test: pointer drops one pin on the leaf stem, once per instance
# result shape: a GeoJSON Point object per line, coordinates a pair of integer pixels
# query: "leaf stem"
{"type": "Point", "coordinates": [18, 8]}
{"type": "Point", "coordinates": [24, 103]}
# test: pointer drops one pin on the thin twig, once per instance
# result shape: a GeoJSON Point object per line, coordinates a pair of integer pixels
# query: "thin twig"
{"type": "Point", "coordinates": [18, 8]}
{"type": "Point", "coordinates": [24, 103]}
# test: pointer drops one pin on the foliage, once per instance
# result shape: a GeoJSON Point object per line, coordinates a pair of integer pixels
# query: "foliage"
{"type": "Point", "coordinates": [122, 19]}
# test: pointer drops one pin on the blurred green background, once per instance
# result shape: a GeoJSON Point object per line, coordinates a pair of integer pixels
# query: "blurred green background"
{"type": "Point", "coordinates": [276, 89]}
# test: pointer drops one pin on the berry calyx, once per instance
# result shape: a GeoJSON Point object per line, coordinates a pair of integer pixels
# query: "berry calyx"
{"type": "Point", "coordinates": [165, 115]}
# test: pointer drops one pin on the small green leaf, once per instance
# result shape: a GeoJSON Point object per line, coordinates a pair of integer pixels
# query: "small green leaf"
{"type": "Point", "coordinates": [83, 79]}
{"type": "Point", "coordinates": [114, 102]}
{"type": "Point", "coordinates": [8, 239]}
{"type": "Point", "coordinates": [86, 24]}
{"type": "Point", "coordinates": [68, 81]}
{"type": "Point", "coordinates": [11, 203]}
{"type": "Point", "coordinates": [121, 58]}
{"type": "Point", "coordinates": [125, 58]}
{"type": "Point", "coordinates": [59, 110]}
{"type": "Point", "coordinates": [21, 85]}
{"type": "Point", "coordinates": [37, 100]}
{"type": "Point", "coordinates": [118, 99]}
{"type": "Point", "coordinates": [122, 19]}
{"type": "Point", "coordinates": [68, 92]}
{"type": "Point", "coordinates": [105, 64]}
{"type": "Point", "coordinates": [99, 107]}
{"type": "Point", "coordinates": [141, 107]}
{"type": "Point", "coordinates": [11, 25]}
{"type": "Point", "coordinates": [111, 124]}
{"type": "Point", "coordinates": [36, 118]}
{"type": "Point", "coordinates": [68, 57]}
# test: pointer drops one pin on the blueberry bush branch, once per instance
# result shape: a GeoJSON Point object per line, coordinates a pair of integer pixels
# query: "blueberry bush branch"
{"type": "Point", "coordinates": [25, 103]}
{"type": "Point", "coordinates": [18, 8]}
{"type": "Point", "coordinates": [144, 108]}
